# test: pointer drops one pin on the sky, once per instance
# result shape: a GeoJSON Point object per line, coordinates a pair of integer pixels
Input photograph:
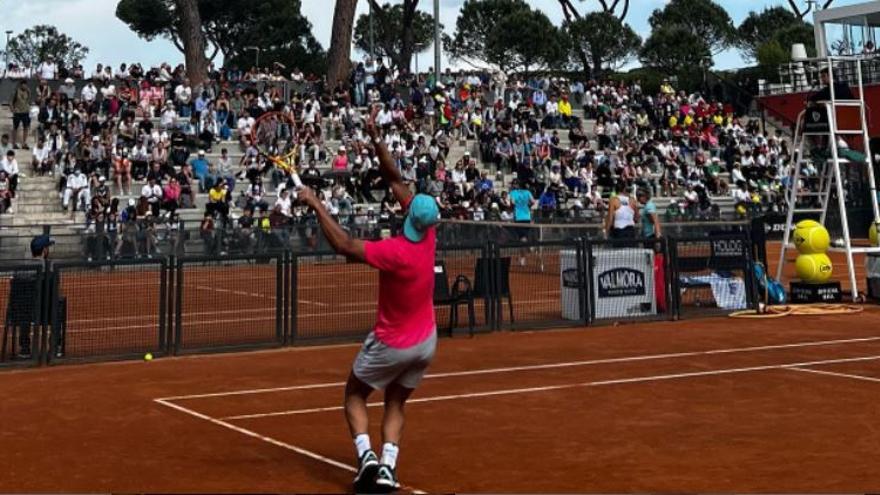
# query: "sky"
{"type": "Point", "coordinates": [94, 24]}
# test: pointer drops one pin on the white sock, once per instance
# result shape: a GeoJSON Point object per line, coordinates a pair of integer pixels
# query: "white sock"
{"type": "Point", "coordinates": [389, 454]}
{"type": "Point", "coordinates": [362, 444]}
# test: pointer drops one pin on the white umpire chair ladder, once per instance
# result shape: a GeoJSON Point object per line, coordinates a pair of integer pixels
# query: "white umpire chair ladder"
{"type": "Point", "coordinates": [830, 176]}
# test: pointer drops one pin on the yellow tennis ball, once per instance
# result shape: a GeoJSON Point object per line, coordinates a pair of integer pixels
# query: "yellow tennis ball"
{"type": "Point", "coordinates": [810, 237]}
{"type": "Point", "coordinates": [814, 268]}
{"type": "Point", "coordinates": [148, 356]}
{"type": "Point", "coordinates": [740, 209]}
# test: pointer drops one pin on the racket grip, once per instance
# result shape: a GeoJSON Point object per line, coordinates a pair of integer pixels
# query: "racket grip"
{"type": "Point", "coordinates": [297, 182]}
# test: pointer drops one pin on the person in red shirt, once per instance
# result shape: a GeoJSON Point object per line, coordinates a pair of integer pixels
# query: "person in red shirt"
{"type": "Point", "coordinates": [397, 352]}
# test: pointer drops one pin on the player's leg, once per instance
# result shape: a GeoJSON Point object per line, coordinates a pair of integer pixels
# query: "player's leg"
{"type": "Point", "coordinates": [396, 395]}
{"type": "Point", "coordinates": [367, 374]}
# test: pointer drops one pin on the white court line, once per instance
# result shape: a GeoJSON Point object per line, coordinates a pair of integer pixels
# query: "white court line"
{"type": "Point", "coordinates": [840, 375]}
{"type": "Point", "coordinates": [641, 379]}
{"type": "Point", "coordinates": [244, 431]}
{"type": "Point", "coordinates": [72, 324]}
{"type": "Point", "coordinates": [649, 357]}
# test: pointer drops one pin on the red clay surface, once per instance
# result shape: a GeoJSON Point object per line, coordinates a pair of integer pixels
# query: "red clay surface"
{"type": "Point", "coordinates": [720, 405]}
{"type": "Point", "coordinates": [707, 405]}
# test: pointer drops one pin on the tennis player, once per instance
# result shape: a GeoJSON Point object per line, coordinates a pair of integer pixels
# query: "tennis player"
{"type": "Point", "coordinates": [397, 352]}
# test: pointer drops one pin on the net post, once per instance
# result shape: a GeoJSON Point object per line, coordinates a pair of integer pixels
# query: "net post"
{"type": "Point", "coordinates": [178, 306]}
{"type": "Point", "coordinates": [668, 277]}
{"type": "Point", "coordinates": [285, 298]}
{"type": "Point", "coordinates": [279, 297]}
{"type": "Point", "coordinates": [163, 298]}
{"type": "Point", "coordinates": [675, 301]}
{"type": "Point", "coordinates": [590, 268]}
{"type": "Point", "coordinates": [294, 298]}
{"type": "Point", "coordinates": [583, 291]}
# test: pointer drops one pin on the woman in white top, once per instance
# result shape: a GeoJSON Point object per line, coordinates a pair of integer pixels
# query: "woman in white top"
{"type": "Point", "coordinates": [622, 215]}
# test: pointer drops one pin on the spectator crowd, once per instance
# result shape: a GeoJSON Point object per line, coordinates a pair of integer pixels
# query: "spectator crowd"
{"type": "Point", "coordinates": [133, 147]}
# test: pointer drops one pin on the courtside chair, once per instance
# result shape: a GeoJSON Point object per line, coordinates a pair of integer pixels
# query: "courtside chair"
{"type": "Point", "coordinates": [460, 293]}
{"type": "Point", "coordinates": [483, 274]}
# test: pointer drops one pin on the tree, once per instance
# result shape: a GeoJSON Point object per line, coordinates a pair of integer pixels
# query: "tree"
{"type": "Point", "coordinates": [571, 15]}
{"type": "Point", "coordinates": [526, 40]}
{"type": "Point", "coordinates": [41, 43]}
{"type": "Point", "coordinates": [507, 34]}
{"type": "Point", "coordinates": [797, 33]}
{"type": "Point", "coordinates": [771, 54]}
{"type": "Point", "coordinates": [605, 39]}
{"type": "Point", "coordinates": [339, 56]}
{"type": "Point", "coordinates": [802, 14]}
{"type": "Point", "coordinates": [277, 27]}
{"type": "Point", "coordinates": [190, 30]}
{"type": "Point", "coordinates": [571, 12]}
{"type": "Point", "coordinates": [675, 50]}
{"type": "Point", "coordinates": [772, 24]}
{"type": "Point", "coordinates": [476, 21]}
{"type": "Point", "coordinates": [398, 32]}
{"type": "Point", "coordinates": [704, 19]}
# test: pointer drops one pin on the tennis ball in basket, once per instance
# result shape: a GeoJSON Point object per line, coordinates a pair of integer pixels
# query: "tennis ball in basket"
{"type": "Point", "coordinates": [148, 356]}
{"type": "Point", "coordinates": [810, 237]}
{"type": "Point", "coordinates": [814, 268]}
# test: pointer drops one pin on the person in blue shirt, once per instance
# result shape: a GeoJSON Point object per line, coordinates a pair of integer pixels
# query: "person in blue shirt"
{"type": "Point", "coordinates": [547, 201]}
{"type": "Point", "coordinates": [484, 184]}
{"type": "Point", "coordinates": [200, 169]}
{"type": "Point", "coordinates": [650, 221]}
{"type": "Point", "coordinates": [523, 201]}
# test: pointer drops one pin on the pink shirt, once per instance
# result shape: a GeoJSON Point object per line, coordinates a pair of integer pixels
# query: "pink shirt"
{"type": "Point", "coordinates": [406, 289]}
{"type": "Point", "coordinates": [340, 162]}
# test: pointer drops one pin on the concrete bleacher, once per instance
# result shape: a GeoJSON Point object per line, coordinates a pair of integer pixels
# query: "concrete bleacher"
{"type": "Point", "coordinates": [38, 203]}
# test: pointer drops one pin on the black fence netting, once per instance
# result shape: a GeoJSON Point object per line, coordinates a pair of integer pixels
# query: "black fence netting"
{"type": "Point", "coordinates": [229, 302]}
{"type": "Point", "coordinates": [713, 275]}
{"type": "Point", "coordinates": [539, 284]}
{"type": "Point", "coordinates": [21, 293]}
{"type": "Point", "coordinates": [126, 308]}
{"type": "Point", "coordinates": [107, 309]}
{"type": "Point", "coordinates": [333, 299]}
{"type": "Point", "coordinates": [628, 280]}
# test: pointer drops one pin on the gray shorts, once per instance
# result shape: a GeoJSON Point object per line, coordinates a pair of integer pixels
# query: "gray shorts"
{"type": "Point", "coordinates": [379, 365]}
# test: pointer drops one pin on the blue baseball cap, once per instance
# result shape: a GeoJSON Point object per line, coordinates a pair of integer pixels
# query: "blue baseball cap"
{"type": "Point", "coordinates": [39, 243]}
{"type": "Point", "coordinates": [423, 213]}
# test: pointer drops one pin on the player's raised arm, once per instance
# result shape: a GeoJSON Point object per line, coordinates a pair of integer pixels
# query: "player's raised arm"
{"type": "Point", "coordinates": [387, 167]}
{"type": "Point", "coordinates": [338, 238]}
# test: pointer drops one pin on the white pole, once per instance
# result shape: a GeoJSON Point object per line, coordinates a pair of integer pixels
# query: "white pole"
{"type": "Point", "coordinates": [437, 48]}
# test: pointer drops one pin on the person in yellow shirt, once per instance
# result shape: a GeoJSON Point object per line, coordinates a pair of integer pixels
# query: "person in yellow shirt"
{"type": "Point", "coordinates": [673, 122]}
{"type": "Point", "coordinates": [688, 120]}
{"type": "Point", "coordinates": [666, 88]}
{"type": "Point", "coordinates": [217, 200]}
{"type": "Point", "coordinates": [565, 110]}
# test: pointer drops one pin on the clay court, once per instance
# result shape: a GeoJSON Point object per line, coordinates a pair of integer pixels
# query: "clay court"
{"type": "Point", "coordinates": [701, 405]}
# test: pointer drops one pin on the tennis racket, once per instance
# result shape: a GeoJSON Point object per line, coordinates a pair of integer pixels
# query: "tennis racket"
{"type": "Point", "coordinates": [263, 135]}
